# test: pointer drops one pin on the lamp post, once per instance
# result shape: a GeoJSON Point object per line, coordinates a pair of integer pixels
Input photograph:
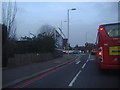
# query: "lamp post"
{"type": "Point", "coordinates": [68, 28]}
{"type": "Point", "coordinates": [86, 36]}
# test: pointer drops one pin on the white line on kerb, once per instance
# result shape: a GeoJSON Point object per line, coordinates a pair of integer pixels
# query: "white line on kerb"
{"type": "Point", "coordinates": [78, 62]}
{"type": "Point", "coordinates": [71, 83]}
{"type": "Point", "coordinates": [83, 65]}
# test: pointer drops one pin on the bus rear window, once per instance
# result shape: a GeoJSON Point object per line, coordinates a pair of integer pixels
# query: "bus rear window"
{"type": "Point", "coordinates": [113, 30]}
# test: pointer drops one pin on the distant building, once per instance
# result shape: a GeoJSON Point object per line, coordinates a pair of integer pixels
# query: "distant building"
{"type": "Point", "coordinates": [58, 43]}
{"type": "Point", "coordinates": [65, 43]}
{"type": "Point", "coordinates": [58, 40]}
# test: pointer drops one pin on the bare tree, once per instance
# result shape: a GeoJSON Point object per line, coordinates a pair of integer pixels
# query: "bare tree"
{"type": "Point", "coordinates": [9, 10]}
{"type": "Point", "coordinates": [47, 30]}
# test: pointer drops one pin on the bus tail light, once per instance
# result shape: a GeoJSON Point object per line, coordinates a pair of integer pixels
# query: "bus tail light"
{"type": "Point", "coordinates": [101, 28]}
{"type": "Point", "coordinates": [100, 54]}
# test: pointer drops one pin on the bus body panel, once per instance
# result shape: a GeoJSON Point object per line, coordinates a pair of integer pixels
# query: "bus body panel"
{"type": "Point", "coordinates": [110, 58]}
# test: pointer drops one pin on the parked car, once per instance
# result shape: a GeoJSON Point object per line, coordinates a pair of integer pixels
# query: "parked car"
{"type": "Point", "coordinates": [75, 52]}
{"type": "Point", "coordinates": [93, 52]}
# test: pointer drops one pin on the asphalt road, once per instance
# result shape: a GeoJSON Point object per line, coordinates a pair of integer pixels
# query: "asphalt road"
{"type": "Point", "coordinates": [80, 73]}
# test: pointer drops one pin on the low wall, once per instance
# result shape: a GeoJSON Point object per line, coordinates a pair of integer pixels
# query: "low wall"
{"type": "Point", "coordinates": [24, 59]}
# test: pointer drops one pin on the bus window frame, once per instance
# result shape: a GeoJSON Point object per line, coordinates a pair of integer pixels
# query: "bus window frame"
{"type": "Point", "coordinates": [106, 31]}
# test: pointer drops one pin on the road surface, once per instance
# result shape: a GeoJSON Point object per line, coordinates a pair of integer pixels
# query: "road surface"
{"type": "Point", "coordinates": [83, 72]}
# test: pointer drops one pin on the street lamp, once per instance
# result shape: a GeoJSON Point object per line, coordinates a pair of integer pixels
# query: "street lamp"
{"type": "Point", "coordinates": [68, 27]}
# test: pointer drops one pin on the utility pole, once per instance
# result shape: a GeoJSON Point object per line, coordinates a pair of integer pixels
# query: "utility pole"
{"type": "Point", "coordinates": [68, 28]}
{"type": "Point", "coordinates": [86, 36]}
{"type": "Point", "coordinates": [68, 33]}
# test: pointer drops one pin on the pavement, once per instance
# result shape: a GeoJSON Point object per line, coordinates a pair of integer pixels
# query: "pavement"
{"type": "Point", "coordinates": [15, 75]}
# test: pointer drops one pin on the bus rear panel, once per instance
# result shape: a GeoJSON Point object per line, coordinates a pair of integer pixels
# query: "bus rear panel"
{"type": "Point", "coordinates": [108, 54]}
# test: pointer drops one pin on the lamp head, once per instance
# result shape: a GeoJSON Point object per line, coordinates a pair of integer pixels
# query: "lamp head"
{"type": "Point", "coordinates": [73, 9]}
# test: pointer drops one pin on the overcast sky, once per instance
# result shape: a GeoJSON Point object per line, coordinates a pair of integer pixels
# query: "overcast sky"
{"type": "Point", "coordinates": [85, 19]}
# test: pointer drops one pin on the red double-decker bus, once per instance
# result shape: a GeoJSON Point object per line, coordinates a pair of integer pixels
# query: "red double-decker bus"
{"type": "Point", "coordinates": [108, 53]}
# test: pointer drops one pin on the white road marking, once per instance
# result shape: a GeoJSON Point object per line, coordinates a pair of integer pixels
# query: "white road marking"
{"type": "Point", "coordinates": [87, 60]}
{"type": "Point", "coordinates": [78, 62]}
{"type": "Point", "coordinates": [71, 83]}
{"type": "Point", "coordinates": [77, 59]}
{"type": "Point", "coordinates": [84, 65]}
{"type": "Point", "coordinates": [89, 56]}
{"type": "Point", "coordinates": [92, 59]}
